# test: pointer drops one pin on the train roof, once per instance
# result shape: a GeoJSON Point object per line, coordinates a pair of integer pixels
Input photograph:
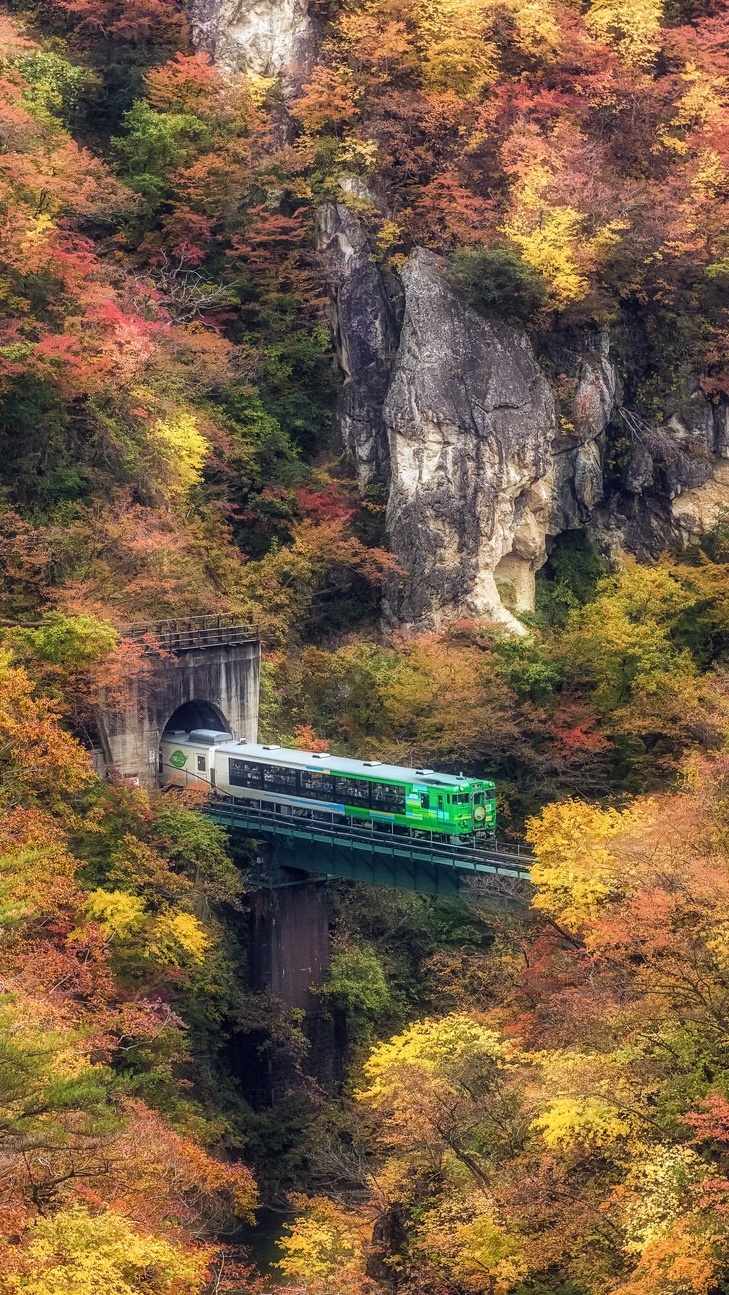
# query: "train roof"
{"type": "Point", "coordinates": [272, 754]}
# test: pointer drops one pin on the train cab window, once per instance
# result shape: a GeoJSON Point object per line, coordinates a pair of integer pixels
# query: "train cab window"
{"type": "Point", "coordinates": [243, 773]}
{"type": "Point", "coordinates": [425, 800]}
{"type": "Point", "coordinates": [201, 764]}
{"type": "Point", "coordinates": [478, 798]}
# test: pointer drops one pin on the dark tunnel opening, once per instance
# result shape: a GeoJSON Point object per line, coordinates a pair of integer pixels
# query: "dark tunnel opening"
{"type": "Point", "coordinates": [196, 714]}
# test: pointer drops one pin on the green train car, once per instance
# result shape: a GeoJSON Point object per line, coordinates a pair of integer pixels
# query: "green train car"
{"type": "Point", "coordinates": [302, 781]}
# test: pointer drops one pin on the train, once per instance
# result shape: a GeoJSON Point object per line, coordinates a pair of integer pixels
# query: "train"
{"type": "Point", "coordinates": [368, 792]}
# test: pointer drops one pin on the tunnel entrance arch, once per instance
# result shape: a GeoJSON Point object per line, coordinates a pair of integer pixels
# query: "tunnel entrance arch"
{"type": "Point", "coordinates": [209, 673]}
{"type": "Point", "coordinates": [197, 713]}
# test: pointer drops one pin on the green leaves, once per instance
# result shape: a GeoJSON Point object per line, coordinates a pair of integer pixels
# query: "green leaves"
{"type": "Point", "coordinates": [498, 281]}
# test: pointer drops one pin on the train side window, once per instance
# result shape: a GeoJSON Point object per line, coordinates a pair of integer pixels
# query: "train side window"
{"type": "Point", "coordinates": [352, 791]}
{"type": "Point", "coordinates": [319, 786]}
{"type": "Point", "coordinates": [440, 802]}
{"type": "Point", "coordinates": [278, 779]}
{"type": "Point", "coordinates": [389, 799]}
{"type": "Point", "coordinates": [425, 800]}
{"type": "Point", "coordinates": [201, 764]}
{"type": "Point", "coordinates": [243, 773]}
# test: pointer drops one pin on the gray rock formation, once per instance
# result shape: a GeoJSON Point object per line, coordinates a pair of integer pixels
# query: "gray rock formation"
{"type": "Point", "coordinates": [489, 461]}
{"type": "Point", "coordinates": [673, 487]}
{"type": "Point", "coordinates": [365, 331]}
{"type": "Point", "coordinates": [274, 38]}
{"type": "Point", "coordinates": [471, 421]}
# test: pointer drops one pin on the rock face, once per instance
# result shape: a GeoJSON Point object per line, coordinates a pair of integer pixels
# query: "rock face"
{"type": "Point", "coordinates": [455, 409]}
{"type": "Point", "coordinates": [673, 487]}
{"type": "Point", "coordinates": [365, 329]}
{"type": "Point", "coordinates": [274, 38]}
{"type": "Point", "coordinates": [488, 460]}
{"type": "Point", "coordinates": [470, 421]}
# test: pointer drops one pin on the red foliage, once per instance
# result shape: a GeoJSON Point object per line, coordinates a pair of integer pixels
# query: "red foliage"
{"type": "Point", "coordinates": [326, 505]}
{"type": "Point", "coordinates": [133, 21]}
{"type": "Point", "coordinates": [186, 83]}
{"type": "Point", "coordinates": [710, 1120]}
{"type": "Point", "coordinates": [574, 728]}
{"type": "Point", "coordinates": [447, 214]}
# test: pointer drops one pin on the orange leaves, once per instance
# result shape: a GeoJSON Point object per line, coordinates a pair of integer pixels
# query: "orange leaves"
{"type": "Point", "coordinates": [68, 1129]}
{"type": "Point", "coordinates": [187, 83]}
{"type": "Point", "coordinates": [328, 101]}
{"type": "Point", "coordinates": [39, 762]}
{"type": "Point", "coordinates": [170, 1180]}
{"type": "Point", "coordinates": [447, 214]}
{"type": "Point", "coordinates": [683, 1261]}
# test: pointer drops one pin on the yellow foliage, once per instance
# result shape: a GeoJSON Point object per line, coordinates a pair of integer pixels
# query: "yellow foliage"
{"type": "Point", "coordinates": [704, 100]}
{"type": "Point", "coordinates": [576, 870]}
{"type": "Point", "coordinates": [38, 230]}
{"type": "Point", "coordinates": [433, 1048]}
{"type": "Point", "coordinates": [117, 913]}
{"type": "Point", "coordinates": [259, 87]}
{"type": "Point", "coordinates": [450, 1065]}
{"type": "Point", "coordinates": [632, 27]}
{"type": "Point", "coordinates": [77, 1253]}
{"type": "Point", "coordinates": [184, 449]}
{"type": "Point", "coordinates": [174, 938]}
{"type": "Point", "coordinates": [464, 1242]}
{"type": "Point", "coordinates": [325, 1244]}
{"type": "Point", "coordinates": [455, 42]}
{"type": "Point", "coordinates": [178, 938]}
{"type": "Point", "coordinates": [710, 177]}
{"type": "Point", "coordinates": [656, 1192]}
{"type": "Point", "coordinates": [553, 235]}
{"type": "Point", "coordinates": [588, 1124]}
{"type": "Point", "coordinates": [550, 242]}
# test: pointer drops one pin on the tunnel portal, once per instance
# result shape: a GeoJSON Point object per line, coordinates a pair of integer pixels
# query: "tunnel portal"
{"type": "Point", "coordinates": [204, 672]}
{"type": "Point", "coordinates": [196, 714]}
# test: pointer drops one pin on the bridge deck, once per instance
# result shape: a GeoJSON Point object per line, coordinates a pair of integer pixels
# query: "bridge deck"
{"type": "Point", "coordinates": [412, 861]}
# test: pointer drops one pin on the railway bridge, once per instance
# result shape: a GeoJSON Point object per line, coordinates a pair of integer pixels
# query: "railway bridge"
{"type": "Point", "coordinates": [204, 672]}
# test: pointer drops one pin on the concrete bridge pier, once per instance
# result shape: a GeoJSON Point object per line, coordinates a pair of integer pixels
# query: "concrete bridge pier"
{"type": "Point", "coordinates": [289, 955]}
{"type": "Point", "coordinates": [289, 950]}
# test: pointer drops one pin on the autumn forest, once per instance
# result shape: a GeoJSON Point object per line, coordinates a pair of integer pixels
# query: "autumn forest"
{"type": "Point", "coordinates": [529, 1098]}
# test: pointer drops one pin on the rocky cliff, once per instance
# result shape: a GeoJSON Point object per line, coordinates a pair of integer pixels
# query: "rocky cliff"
{"type": "Point", "coordinates": [273, 38]}
{"type": "Point", "coordinates": [470, 422]}
{"type": "Point", "coordinates": [489, 460]}
{"type": "Point", "coordinates": [365, 326]}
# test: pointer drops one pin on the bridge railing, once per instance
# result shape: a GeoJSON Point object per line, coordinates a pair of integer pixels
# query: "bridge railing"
{"type": "Point", "coordinates": [323, 828]}
{"type": "Point", "coordinates": [185, 633]}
